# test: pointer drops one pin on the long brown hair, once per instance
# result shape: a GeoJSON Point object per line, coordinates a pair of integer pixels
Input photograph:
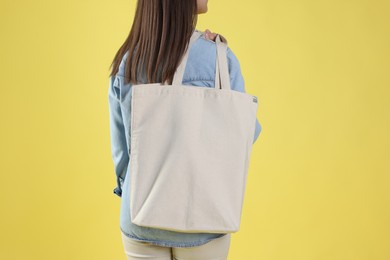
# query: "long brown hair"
{"type": "Point", "coordinates": [158, 39]}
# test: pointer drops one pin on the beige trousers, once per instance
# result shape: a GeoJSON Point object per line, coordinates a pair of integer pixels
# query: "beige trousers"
{"type": "Point", "coordinates": [216, 249]}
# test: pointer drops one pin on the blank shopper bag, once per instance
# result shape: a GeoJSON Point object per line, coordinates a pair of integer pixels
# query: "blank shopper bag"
{"type": "Point", "coordinates": [190, 150]}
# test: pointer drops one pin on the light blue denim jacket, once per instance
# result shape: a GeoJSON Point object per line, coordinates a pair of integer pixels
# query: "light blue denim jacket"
{"type": "Point", "coordinates": [199, 71]}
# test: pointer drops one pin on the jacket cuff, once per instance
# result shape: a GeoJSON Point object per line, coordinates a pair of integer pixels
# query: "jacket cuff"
{"type": "Point", "coordinates": [118, 192]}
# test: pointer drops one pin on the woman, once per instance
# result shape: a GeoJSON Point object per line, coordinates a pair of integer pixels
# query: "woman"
{"type": "Point", "coordinates": [159, 35]}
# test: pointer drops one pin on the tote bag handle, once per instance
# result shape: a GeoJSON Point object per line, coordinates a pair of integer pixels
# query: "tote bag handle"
{"type": "Point", "coordinates": [222, 78]}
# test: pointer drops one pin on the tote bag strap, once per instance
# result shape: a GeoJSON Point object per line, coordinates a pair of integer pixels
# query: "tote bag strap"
{"type": "Point", "coordinates": [222, 79]}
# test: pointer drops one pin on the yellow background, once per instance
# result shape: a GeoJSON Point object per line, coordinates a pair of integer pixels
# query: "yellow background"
{"type": "Point", "coordinates": [318, 186]}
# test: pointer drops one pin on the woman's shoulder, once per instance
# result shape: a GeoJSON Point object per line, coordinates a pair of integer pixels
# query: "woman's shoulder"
{"type": "Point", "coordinates": [207, 43]}
{"type": "Point", "coordinates": [203, 55]}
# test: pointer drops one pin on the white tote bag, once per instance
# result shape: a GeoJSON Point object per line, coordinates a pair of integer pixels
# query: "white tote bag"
{"type": "Point", "coordinates": [190, 150]}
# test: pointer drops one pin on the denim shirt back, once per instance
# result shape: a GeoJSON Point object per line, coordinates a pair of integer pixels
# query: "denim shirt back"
{"type": "Point", "coordinates": [199, 71]}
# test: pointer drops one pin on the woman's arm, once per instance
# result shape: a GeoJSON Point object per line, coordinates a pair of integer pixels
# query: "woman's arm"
{"type": "Point", "coordinates": [119, 152]}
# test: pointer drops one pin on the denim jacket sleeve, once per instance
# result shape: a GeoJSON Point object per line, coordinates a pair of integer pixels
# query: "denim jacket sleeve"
{"type": "Point", "coordinates": [119, 149]}
{"type": "Point", "coordinates": [237, 83]}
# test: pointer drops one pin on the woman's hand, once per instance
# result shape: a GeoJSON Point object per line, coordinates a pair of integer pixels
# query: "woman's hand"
{"type": "Point", "coordinates": [209, 35]}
